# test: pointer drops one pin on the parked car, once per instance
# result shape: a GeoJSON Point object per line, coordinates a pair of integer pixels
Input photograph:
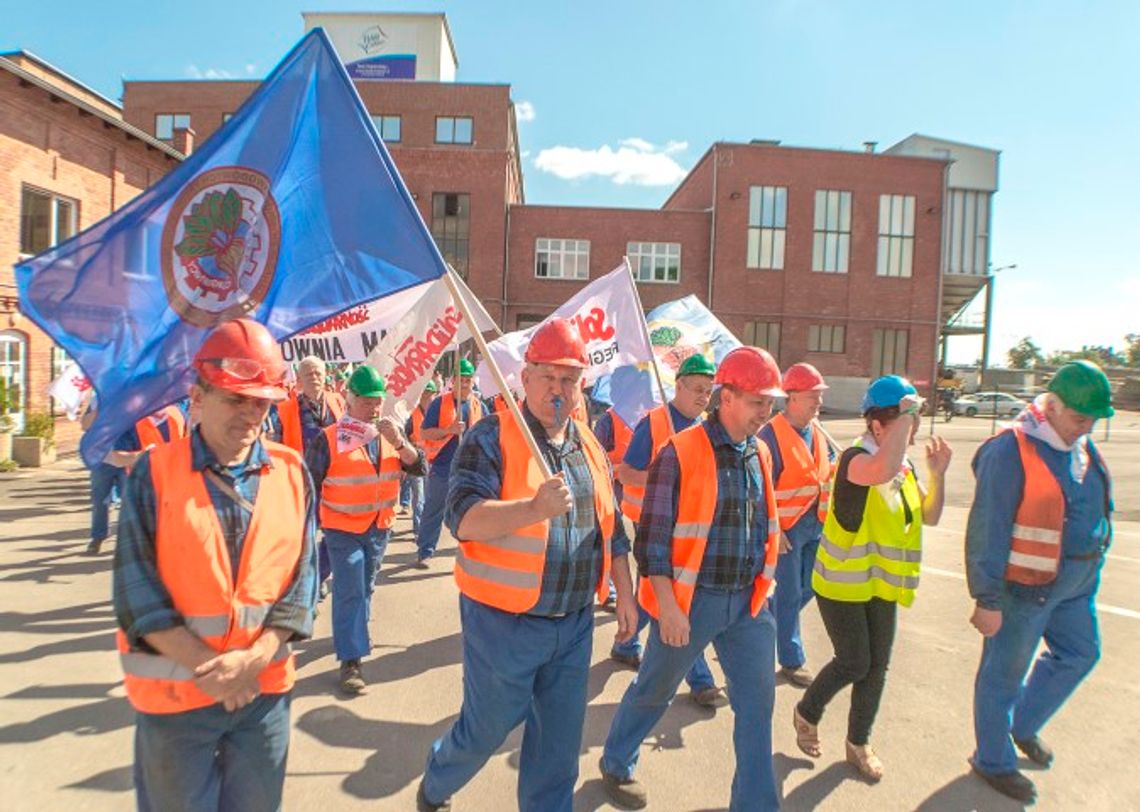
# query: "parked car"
{"type": "Point", "coordinates": [989, 403]}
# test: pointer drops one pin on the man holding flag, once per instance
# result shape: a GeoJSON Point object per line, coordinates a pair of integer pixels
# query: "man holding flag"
{"type": "Point", "coordinates": [356, 465]}
{"type": "Point", "coordinates": [533, 553]}
{"type": "Point", "coordinates": [442, 427]}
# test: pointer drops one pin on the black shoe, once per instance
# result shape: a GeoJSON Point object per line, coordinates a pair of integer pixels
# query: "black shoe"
{"type": "Point", "coordinates": [422, 563]}
{"type": "Point", "coordinates": [1012, 785]}
{"type": "Point", "coordinates": [1036, 751]}
{"type": "Point", "coordinates": [323, 590]}
{"type": "Point", "coordinates": [93, 548]}
{"type": "Point", "coordinates": [628, 793]}
{"type": "Point", "coordinates": [351, 678]}
{"type": "Point", "coordinates": [628, 660]}
{"type": "Point", "coordinates": [424, 805]}
{"type": "Point", "coordinates": [706, 697]}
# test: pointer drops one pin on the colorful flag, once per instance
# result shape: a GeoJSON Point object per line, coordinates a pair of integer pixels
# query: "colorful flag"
{"type": "Point", "coordinates": [608, 316]}
{"type": "Point", "coordinates": [69, 388]}
{"type": "Point", "coordinates": [291, 213]}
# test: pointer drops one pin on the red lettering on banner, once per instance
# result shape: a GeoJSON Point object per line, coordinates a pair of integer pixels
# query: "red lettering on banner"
{"type": "Point", "coordinates": [418, 355]}
{"type": "Point", "coordinates": [341, 321]}
{"type": "Point", "coordinates": [592, 326]}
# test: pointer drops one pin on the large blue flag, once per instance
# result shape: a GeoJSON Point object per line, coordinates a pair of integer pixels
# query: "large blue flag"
{"type": "Point", "coordinates": [292, 212]}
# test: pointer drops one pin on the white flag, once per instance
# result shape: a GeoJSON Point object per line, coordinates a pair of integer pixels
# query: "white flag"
{"type": "Point", "coordinates": [410, 350]}
{"type": "Point", "coordinates": [68, 389]}
{"type": "Point", "coordinates": [609, 319]}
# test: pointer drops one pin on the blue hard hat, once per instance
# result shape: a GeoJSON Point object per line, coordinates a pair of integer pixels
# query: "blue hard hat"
{"type": "Point", "coordinates": [886, 392]}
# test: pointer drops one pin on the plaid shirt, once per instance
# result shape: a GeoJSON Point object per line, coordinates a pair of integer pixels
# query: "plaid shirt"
{"type": "Point", "coordinates": [574, 546]}
{"type": "Point", "coordinates": [142, 603]}
{"type": "Point", "coordinates": [739, 533]}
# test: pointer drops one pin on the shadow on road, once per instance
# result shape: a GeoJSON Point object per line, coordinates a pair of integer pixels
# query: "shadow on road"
{"type": "Point", "coordinates": [965, 794]}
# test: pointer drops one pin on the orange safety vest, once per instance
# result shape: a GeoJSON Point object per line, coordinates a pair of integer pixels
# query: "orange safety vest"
{"type": "Point", "coordinates": [148, 431]}
{"type": "Point", "coordinates": [289, 413]}
{"type": "Point", "coordinates": [417, 436]}
{"type": "Point", "coordinates": [660, 431]}
{"type": "Point", "coordinates": [806, 477]}
{"type": "Point", "coordinates": [499, 404]}
{"type": "Point", "coordinates": [194, 566]}
{"type": "Point", "coordinates": [1035, 547]}
{"type": "Point", "coordinates": [622, 435]}
{"type": "Point", "coordinates": [506, 572]}
{"type": "Point", "coordinates": [447, 417]}
{"type": "Point", "coordinates": [695, 512]}
{"type": "Point", "coordinates": [355, 496]}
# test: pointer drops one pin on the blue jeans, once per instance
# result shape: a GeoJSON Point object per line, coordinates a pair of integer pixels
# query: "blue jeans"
{"type": "Point", "coordinates": [1005, 701]}
{"type": "Point", "coordinates": [208, 759]}
{"type": "Point", "coordinates": [793, 592]}
{"type": "Point", "coordinates": [746, 647]}
{"type": "Point", "coordinates": [699, 676]}
{"type": "Point", "coordinates": [356, 559]}
{"type": "Point", "coordinates": [105, 479]}
{"type": "Point", "coordinates": [431, 521]}
{"type": "Point", "coordinates": [412, 493]}
{"type": "Point", "coordinates": [518, 668]}
{"type": "Point", "coordinates": [324, 565]}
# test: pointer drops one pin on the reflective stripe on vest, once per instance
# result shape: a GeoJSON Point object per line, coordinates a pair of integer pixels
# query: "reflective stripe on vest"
{"type": "Point", "coordinates": [506, 572]}
{"type": "Point", "coordinates": [151, 435]}
{"type": "Point", "coordinates": [696, 510]}
{"type": "Point", "coordinates": [881, 558]}
{"type": "Point", "coordinates": [447, 417]}
{"type": "Point", "coordinates": [354, 495]}
{"type": "Point", "coordinates": [660, 430]}
{"type": "Point", "coordinates": [806, 476]}
{"type": "Point", "coordinates": [225, 613]}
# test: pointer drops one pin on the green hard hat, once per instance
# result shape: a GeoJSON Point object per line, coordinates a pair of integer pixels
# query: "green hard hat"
{"type": "Point", "coordinates": [466, 368]}
{"type": "Point", "coordinates": [697, 365]}
{"type": "Point", "coordinates": [431, 387]}
{"type": "Point", "coordinates": [367, 382]}
{"type": "Point", "coordinates": [1084, 388]}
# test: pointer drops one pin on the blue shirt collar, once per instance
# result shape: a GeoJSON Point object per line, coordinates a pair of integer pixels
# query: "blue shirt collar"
{"type": "Point", "coordinates": [718, 435]}
{"type": "Point", "coordinates": [201, 457]}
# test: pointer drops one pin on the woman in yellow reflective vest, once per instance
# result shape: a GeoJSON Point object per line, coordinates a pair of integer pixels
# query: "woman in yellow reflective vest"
{"type": "Point", "coordinates": [868, 563]}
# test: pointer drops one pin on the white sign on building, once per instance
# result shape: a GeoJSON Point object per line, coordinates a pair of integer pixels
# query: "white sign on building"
{"type": "Point", "coordinates": [390, 46]}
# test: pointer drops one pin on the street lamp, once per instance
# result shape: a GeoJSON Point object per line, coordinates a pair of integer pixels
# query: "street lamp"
{"type": "Point", "coordinates": [989, 315]}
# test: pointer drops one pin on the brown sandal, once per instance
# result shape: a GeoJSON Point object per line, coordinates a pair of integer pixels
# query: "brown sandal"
{"type": "Point", "coordinates": [807, 735]}
{"type": "Point", "coordinates": [864, 759]}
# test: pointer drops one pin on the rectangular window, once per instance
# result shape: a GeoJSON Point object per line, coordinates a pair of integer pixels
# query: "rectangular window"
{"type": "Point", "coordinates": [388, 127]}
{"type": "Point", "coordinates": [451, 227]}
{"type": "Point", "coordinates": [826, 337]}
{"type": "Point", "coordinates": [454, 129]}
{"type": "Point", "coordinates": [561, 259]}
{"type": "Point", "coordinates": [765, 335]}
{"type": "Point", "coordinates": [166, 123]}
{"type": "Point", "coordinates": [524, 321]}
{"type": "Point", "coordinates": [896, 235]}
{"type": "Point", "coordinates": [832, 240]}
{"type": "Point", "coordinates": [45, 220]}
{"type": "Point", "coordinates": [967, 243]}
{"type": "Point", "coordinates": [655, 261]}
{"type": "Point", "coordinates": [767, 226]}
{"type": "Point", "coordinates": [888, 352]}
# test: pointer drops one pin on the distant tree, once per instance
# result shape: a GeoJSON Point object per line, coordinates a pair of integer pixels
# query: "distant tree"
{"type": "Point", "coordinates": [1104, 356]}
{"type": "Point", "coordinates": [1132, 349]}
{"type": "Point", "coordinates": [1024, 354]}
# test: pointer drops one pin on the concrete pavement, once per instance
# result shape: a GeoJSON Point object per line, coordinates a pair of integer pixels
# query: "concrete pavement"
{"type": "Point", "coordinates": [66, 728]}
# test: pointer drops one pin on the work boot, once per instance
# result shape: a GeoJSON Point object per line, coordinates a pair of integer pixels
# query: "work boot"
{"type": "Point", "coordinates": [424, 805]}
{"type": "Point", "coordinates": [93, 547]}
{"type": "Point", "coordinates": [1012, 784]}
{"type": "Point", "coordinates": [705, 697]}
{"type": "Point", "coordinates": [422, 563]}
{"type": "Point", "coordinates": [628, 660]}
{"type": "Point", "coordinates": [801, 677]}
{"type": "Point", "coordinates": [1036, 751]}
{"type": "Point", "coordinates": [628, 793]}
{"type": "Point", "coordinates": [323, 590]}
{"type": "Point", "coordinates": [351, 679]}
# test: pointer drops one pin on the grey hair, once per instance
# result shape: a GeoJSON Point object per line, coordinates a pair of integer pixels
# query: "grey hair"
{"type": "Point", "coordinates": [311, 361]}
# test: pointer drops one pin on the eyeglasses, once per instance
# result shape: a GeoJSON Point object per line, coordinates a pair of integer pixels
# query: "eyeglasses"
{"type": "Point", "coordinates": [247, 369]}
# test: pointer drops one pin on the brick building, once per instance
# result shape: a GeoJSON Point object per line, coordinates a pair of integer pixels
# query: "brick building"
{"type": "Point", "coordinates": [67, 160]}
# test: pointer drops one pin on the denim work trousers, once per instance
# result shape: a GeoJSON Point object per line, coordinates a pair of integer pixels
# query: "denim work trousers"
{"type": "Point", "coordinates": [431, 521]}
{"type": "Point", "coordinates": [792, 593]}
{"type": "Point", "coordinates": [356, 559]}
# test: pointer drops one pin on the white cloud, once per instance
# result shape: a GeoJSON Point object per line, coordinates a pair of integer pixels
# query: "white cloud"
{"type": "Point", "coordinates": [635, 161]}
{"type": "Point", "coordinates": [194, 72]}
{"type": "Point", "coordinates": [249, 69]}
{"type": "Point", "coordinates": [524, 111]}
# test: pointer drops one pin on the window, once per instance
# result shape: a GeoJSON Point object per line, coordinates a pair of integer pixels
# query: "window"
{"type": "Point", "coordinates": [763, 334]}
{"type": "Point", "coordinates": [896, 235]}
{"type": "Point", "coordinates": [826, 337]}
{"type": "Point", "coordinates": [13, 351]}
{"type": "Point", "coordinates": [967, 242]}
{"type": "Point", "coordinates": [453, 130]}
{"type": "Point", "coordinates": [832, 242]}
{"type": "Point", "coordinates": [655, 261]}
{"type": "Point", "coordinates": [166, 123]}
{"type": "Point", "coordinates": [388, 127]}
{"type": "Point", "coordinates": [767, 226]}
{"type": "Point", "coordinates": [525, 321]}
{"type": "Point", "coordinates": [451, 227]}
{"type": "Point", "coordinates": [888, 352]}
{"type": "Point", "coordinates": [562, 259]}
{"type": "Point", "coordinates": [45, 220]}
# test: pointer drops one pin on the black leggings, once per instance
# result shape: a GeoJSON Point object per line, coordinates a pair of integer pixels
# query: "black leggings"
{"type": "Point", "coordinates": [862, 635]}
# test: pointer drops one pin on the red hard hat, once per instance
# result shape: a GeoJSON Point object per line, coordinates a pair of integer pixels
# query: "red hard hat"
{"type": "Point", "coordinates": [241, 356]}
{"type": "Point", "coordinates": [803, 377]}
{"type": "Point", "coordinates": [752, 370]}
{"type": "Point", "coordinates": [558, 342]}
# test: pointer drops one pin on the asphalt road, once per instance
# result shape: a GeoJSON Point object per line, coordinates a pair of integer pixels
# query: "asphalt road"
{"type": "Point", "coordinates": [66, 728]}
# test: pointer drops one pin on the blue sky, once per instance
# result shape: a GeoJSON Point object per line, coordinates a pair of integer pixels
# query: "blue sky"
{"type": "Point", "coordinates": [634, 92]}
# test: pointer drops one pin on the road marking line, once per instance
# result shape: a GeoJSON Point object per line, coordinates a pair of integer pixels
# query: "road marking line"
{"type": "Point", "coordinates": [1100, 607]}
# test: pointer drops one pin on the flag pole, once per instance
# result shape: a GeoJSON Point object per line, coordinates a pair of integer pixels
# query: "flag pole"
{"type": "Point", "coordinates": [649, 343]}
{"type": "Point", "coordinates": [497, 373]}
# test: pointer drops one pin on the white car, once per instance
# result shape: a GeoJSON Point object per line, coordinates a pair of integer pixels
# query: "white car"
{"type": "Point", "coordinates": [989, 403]}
